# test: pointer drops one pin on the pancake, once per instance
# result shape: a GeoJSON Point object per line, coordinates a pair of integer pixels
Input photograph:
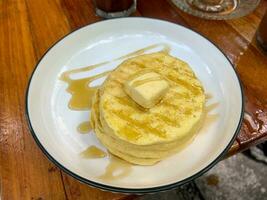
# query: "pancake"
{"type": "Point", "coordinates": [146, 136]}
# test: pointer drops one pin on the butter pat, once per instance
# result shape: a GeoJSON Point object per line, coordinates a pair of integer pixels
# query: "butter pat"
{"type": "Point", "coordinates": [146, 88]}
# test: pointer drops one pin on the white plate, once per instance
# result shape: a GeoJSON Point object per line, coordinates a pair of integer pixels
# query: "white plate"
{"type": "Point", "coordinates": [53, 124]}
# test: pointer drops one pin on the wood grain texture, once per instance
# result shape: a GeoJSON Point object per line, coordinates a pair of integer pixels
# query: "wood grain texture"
{"type": "Point", "coordinates": [29, 27]}
{"type": "Point", "coordinates": [46, 30]}
{"type": "Point", "coordinates": [79, 12]}
{"type": "Point", "coordinates": [60, 20]}
{"type": "Point", "coordinates": [25, 172]}
{"type": "Point", "coordinates": [79, 191]}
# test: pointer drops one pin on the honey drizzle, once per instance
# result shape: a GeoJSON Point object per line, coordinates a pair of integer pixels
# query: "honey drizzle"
{"type": "Point", "coordinates": [116, 169]}
{"type": "Point", "coordinates": [167, 120]}
{"type": "Point", "coordinates": [93, 152]}
{"type": "Point", "coordinates": [194, 89]}
{"type": "Point", "coordinates": [80, 89]}
{"type": "Point", "coordinates": [166, 49]}
{"type": "Point", "coordinates": [84, 127]}
{"type": "Point", "coordinates": [137, 125]}
{"type": "Point", "coordinates": [136, 107]}
{"type": "Point", "coordinates": [81, 99]}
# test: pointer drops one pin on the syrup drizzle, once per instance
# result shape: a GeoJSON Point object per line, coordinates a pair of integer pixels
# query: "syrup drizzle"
{"type": "Point", "coordinates": [84, 127]}
{"type": "Point", "coordinates": [81, 99]}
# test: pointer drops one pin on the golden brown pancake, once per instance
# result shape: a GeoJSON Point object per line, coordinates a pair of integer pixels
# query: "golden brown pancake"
{"type": "Point", "coordinates": [146, 136]}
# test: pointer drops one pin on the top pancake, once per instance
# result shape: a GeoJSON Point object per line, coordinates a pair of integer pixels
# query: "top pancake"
{"type": "Point", "coordinates": [175, 117]}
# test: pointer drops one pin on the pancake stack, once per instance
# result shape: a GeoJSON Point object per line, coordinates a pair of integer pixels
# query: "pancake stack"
{"type": "Point", "coordinates": [141, 135]}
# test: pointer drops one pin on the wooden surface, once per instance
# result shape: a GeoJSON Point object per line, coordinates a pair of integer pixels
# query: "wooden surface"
{"type": "Point", "coordinates": [29, 27]}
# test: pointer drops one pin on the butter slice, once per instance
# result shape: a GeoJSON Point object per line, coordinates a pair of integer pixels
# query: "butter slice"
{"type": "Point", "coordinates": [146, 88]}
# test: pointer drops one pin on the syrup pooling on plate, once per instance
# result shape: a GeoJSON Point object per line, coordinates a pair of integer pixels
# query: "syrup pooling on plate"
{"type": "Point", "coordinates": [84, 127]}
{"type": "Point", "coordinates": [81, 97]}
{"type": "Point", "coordinates": [80, 89]}
{"type": "Point", "coordinates": [93, 152]}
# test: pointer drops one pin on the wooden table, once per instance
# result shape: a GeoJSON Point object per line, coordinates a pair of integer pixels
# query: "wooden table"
{"type": "Point", "coordinates": [29, 27]}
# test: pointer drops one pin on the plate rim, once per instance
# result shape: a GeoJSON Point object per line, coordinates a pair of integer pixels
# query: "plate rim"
{"type": "Point", "coordinates": [133, 190]}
